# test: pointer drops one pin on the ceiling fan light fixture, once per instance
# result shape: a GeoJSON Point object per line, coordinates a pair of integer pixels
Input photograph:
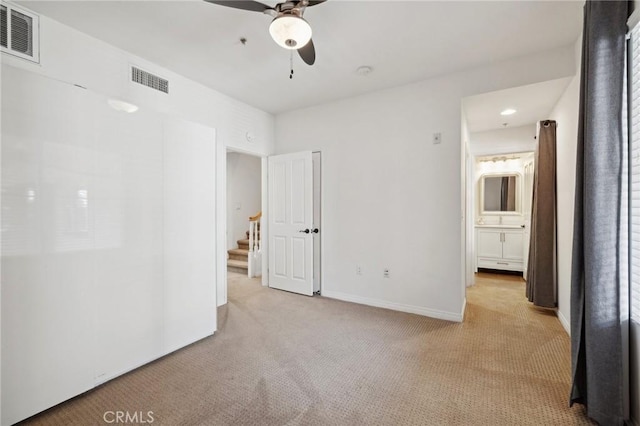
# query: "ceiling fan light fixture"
{"type": "Point", "coordinates": [290, 31]}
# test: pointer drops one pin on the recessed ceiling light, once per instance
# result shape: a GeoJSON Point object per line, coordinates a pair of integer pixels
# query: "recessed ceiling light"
{"type": "Point", "coordinates": [508, 111]}
{"type": "Point", "coordinates": [364, 70]}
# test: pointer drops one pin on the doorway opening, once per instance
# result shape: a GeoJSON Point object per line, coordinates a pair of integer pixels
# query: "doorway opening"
{"type": "Point", "coordinates": [503, 186]}
{"type": "Point", "coordinates": [244, 214]}
{"type": "Point", "coordinates": [498, 137]}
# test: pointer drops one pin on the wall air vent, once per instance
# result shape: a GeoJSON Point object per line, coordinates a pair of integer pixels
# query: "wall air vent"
{"type": "Point", "coordinates": [149, 80]}
{"type": "Point", "coordinates": [19, 32]}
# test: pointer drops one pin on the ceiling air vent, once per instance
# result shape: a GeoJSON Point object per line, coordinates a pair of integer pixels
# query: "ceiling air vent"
{"type": "Point", "coordinates": [19, 32]}
{"type": "Point", "coordinates": [149, 80]}
{"type": "Point", "coordinates": [4, 32]}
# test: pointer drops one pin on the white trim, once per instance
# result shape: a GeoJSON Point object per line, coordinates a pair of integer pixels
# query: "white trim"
{"type": "Point", "coordinates": [634, 19]}
{"type": "Point", "coordinates": [448, 316]}
{"type": "Point", "coordinates": [464, 309]}
{"type": "Point", "coordinates": [264, 227]}
{"type": "Point", "coordinates": [221, 223]}
{"type": "Point", "coordinates": [564, 322]}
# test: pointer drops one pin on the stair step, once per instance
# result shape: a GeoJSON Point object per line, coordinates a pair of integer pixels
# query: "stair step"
{"type": "Point", "coordinates": [238, 254]}
{"type": "Point", "coordinates": [238, 264]}
{"type": "Point", "coordinates": [243, 244]}
{"type": "Point", "coordinates": [238, 257]}
{"type": "Point", "coordinates": [239, 251]}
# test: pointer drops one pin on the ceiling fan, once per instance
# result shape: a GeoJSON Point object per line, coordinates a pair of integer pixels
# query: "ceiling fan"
{"type": "Point", "coordinates": [288, 28]}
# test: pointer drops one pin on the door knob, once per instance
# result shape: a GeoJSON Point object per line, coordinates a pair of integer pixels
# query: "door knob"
{"type": "Point", "coordinates": [315, 230]}
{"type": "Point", "coordinates": [306, 231]}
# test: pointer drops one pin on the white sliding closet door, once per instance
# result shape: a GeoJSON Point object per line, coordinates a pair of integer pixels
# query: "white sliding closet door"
{"type": "Point", "coordinates": [47, 243]}
{"type": "Point", "coordinates": [126, 202]}
{"type": "Point", "coordinates": [189, 233]}
{"type": "Point", "coordinates": [108, 240]}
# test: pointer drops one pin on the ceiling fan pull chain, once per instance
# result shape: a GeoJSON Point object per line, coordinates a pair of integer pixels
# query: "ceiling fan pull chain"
{"type": "Point", "coordinates": [291, 64]}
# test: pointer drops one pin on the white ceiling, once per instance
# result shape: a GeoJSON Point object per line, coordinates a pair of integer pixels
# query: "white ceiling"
{"type": "Point", "coordinates": [532, 103]}
{"type": "Point", "coordinates": [404, 41]}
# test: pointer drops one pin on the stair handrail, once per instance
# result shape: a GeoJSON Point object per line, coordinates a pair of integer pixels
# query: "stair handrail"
{"type": "Point", "coordinates": [255, 242]}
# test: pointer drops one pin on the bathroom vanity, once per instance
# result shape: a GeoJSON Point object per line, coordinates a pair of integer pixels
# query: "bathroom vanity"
{"type": "Point", "coordinates": [500, 229]}
{"type": "Point", "coordinates": [500, 247]}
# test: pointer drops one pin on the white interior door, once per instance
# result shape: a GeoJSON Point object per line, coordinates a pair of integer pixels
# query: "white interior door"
{"type": "Point", "coordinates": [291, 222]}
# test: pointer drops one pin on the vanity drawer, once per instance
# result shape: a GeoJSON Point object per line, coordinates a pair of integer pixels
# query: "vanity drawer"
{"type": "Point", "coordinates": [507, 265]}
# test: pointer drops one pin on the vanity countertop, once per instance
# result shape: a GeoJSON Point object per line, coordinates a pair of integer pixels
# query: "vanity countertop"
{"type": "Point", "coordinates": [499, 226]}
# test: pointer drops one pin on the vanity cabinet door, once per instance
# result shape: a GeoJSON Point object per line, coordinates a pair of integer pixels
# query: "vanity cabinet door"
{"type": "Point", "coordinates": [499, 248]}
{"type": "Point", "coordinates": [490, 243]}
{"type": "Point", "coordinates": [512, 246]}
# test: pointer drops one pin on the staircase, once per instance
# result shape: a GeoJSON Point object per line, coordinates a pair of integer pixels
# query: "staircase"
{"type": "Point", "coordinates": [239, 257]}
{"type": "Point", "coordinates": [246, 259]}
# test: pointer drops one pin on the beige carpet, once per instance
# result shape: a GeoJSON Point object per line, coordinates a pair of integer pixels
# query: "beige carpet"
{"type": "Point", "coordinates": [284, 359]}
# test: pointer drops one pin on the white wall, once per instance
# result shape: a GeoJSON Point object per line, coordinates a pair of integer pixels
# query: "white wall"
{"type": "Point", "coordinates": [244, 194]}
{"type": "Point", "coordinates": [468, 200]}
{"type": "Point", "coordinates": [391, 198]}
{"type": "Point", "coordinates": [504, 141]}
{"type": "Point", "coordinates": [566, 115]}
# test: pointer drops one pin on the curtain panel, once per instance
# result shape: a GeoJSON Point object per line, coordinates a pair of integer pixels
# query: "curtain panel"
{"type": "Point", "coordinates": [597, 307]}
{"type": "Point", "coordinates": [541, 271]}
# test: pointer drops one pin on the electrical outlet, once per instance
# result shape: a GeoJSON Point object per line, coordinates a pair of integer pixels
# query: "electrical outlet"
{"type": "Point", "coordinates": [358, 270]}
{"type": "Point", "coordinates": [386, 273]}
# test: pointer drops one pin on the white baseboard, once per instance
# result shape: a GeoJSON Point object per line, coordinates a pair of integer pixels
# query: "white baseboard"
{"type": "Point", "coordinates": [464, 309]}
{"type": "Point", "coordinates": [449, 316]}
{"type": "Point", "coordinates": [564, 322]}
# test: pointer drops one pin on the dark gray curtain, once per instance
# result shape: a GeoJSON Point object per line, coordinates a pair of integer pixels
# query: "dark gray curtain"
{"type": "Point", "coordinates": [504, 193]}
{"type": "Point", "coordinates": [541, 271]}
{"type": "Point", "coordinates": [597, 350]}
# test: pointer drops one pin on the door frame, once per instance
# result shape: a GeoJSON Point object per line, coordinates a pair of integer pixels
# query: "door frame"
{"type": "Point", "coordinates": [221, 218]}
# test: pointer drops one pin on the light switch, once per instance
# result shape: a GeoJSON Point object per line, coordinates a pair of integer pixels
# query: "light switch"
{"type": "Point", "coordinates": [437, 138]}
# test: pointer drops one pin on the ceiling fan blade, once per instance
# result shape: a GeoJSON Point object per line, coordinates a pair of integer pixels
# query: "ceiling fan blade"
{"type": "Point", "coordinates": [308, 53]}
{"type": "Point", "coordinates": [253, 6]}
{"type": "Point", "coordinates": [314, 2]}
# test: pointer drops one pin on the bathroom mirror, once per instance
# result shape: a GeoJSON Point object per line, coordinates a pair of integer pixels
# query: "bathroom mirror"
{"type": "Point", "coordinates": [500, 194]}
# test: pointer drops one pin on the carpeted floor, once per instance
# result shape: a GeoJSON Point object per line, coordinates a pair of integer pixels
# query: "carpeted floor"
{"type": "Point", "coordinates": [284, 359]}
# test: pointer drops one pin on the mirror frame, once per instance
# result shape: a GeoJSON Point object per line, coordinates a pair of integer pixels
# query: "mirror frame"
{"type": "Point", "coordinates": [518, 210]}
